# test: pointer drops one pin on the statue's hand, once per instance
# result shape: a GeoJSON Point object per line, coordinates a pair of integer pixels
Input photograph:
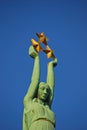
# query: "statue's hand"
{"type": "Point", "coordinates": [32, 52]}
{"type": "Point", "coordinates": [54, 62]}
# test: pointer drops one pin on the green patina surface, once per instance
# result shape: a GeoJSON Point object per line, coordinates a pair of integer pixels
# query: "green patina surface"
{"type": "Point", "coordinates": [37, 102]}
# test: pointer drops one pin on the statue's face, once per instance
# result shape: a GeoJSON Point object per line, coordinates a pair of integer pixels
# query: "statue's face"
{"type": "Point", "coordinates": [43, 91]}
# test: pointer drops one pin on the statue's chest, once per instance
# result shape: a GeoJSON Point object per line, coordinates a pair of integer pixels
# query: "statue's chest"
{"type": "Point", "coordinates": [41, 110]}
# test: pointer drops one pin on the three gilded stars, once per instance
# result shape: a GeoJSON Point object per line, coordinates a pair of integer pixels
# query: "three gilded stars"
{"type": "Point", "coordinates": [42, 39]}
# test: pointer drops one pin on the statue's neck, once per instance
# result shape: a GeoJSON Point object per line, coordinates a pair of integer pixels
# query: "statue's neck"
{"type": "Point", "coordinates": [40, 101]}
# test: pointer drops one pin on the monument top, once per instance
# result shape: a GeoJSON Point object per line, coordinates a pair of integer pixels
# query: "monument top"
{"type": "Point", "coordinates": [38, 99]}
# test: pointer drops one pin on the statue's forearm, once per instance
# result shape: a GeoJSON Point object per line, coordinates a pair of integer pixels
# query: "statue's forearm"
{"type": "Point", "coordinates": [36, 70]}
{"type": "Point", "coordinates": [50, 75]}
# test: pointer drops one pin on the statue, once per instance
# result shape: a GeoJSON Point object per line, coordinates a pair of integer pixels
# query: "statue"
{"type": "Point", "coordinates": [37, 102]}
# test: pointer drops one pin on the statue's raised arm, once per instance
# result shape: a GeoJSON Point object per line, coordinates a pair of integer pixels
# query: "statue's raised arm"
{"type": "Point", "coordinates": [35, 76]}
{"type": "Point", "coordinates": [50, 78]}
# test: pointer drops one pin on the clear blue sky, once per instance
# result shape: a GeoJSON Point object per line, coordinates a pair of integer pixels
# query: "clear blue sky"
{"type": "Point", "coordinates": [65, 24]}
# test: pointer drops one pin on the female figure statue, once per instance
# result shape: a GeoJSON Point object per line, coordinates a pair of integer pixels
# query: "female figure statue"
{"type": "Point", "coordinates": [37, 102]}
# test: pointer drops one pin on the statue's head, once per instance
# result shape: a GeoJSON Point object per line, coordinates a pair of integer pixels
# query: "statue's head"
{"type": "Point", "coordinates": [43, 91]}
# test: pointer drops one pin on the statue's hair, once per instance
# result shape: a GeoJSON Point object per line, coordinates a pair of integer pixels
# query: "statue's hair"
{"type": "Point", "coordinates": [42, 83]}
